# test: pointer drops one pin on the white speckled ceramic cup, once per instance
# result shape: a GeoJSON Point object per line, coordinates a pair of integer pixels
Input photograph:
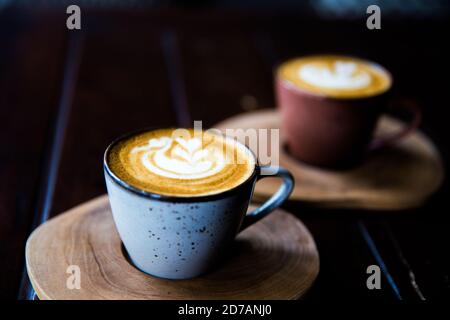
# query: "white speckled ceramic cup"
{"type": "Point", "coordinates": [178, 237]}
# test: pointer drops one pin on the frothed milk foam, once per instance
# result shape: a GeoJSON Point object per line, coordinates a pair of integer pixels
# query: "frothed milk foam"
{"type": "Point", "coordinates": [336, 76]}
{"type": "Point", "coordinates": [181, 162]}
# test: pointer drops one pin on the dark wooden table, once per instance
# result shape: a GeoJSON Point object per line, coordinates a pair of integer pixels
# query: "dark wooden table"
{"type": "Point", "coordinates": [64, 95]}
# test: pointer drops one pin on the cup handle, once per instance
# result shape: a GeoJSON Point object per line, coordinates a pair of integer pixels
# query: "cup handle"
{"type": "Point", "coordinates": [276, 200]}
{"type": "Point", "coordinates": [390, 139]}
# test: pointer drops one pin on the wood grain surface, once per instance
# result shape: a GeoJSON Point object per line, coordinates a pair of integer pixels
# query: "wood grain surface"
{"type": "Point", "coordinates": [274, 259]}
{"type": "Point", "coordinates": [399, 177]}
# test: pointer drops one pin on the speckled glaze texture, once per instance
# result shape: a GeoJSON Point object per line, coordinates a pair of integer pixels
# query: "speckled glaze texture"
{"type": "Point", "coordinates": [177, 240]}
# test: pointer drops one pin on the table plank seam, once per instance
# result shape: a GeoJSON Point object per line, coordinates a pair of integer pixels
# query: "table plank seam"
{"type": "Point", "coordinates": [378, 258]}
{"type": "Point", "coordinates": [403, 260]}
{"type": "Point", "coordinates": [171, 52]}
{"type": "Point", "coordinates": [52, 159]}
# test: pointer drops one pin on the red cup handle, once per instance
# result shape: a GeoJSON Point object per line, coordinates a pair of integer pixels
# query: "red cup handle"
{"type": "Point", "coordinates": [414, 109]}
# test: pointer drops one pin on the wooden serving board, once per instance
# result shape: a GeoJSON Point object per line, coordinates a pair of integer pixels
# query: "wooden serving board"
{"type": "Point", "coordinates": [398, 177]}
{"type": "Point", "coordinates": [274, 259]}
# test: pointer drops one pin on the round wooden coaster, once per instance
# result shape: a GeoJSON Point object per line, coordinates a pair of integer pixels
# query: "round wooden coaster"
{"type": "Point", "coordinates": [274, 259]}
{"type": "Point", "coordinates": [399, 177]}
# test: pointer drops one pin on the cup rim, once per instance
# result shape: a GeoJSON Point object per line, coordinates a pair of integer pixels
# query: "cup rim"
{"type": "Point", "coordinates": [295, 88]}
{"type": "Point", "coordinates": [172, 198]}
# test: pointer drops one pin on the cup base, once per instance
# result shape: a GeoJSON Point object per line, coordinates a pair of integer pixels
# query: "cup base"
{"type": "Point", "coordinates": [179, 276]}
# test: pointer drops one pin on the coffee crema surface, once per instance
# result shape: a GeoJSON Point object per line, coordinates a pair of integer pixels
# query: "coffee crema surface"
{"type": "Point", "coordinates": [181, 162]}
{"type": "Point", "coordinates": [336, 76]}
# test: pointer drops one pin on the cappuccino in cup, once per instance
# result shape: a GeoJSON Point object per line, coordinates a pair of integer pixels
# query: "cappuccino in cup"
{"type": "Point", "coordinates": [181, 162]}
{"type": "Point", "coordinates": [330, 106]}
{"type": "Point", "coordinates": [180, 196]}
{"type": "Point", "coordinates": [335, 76]}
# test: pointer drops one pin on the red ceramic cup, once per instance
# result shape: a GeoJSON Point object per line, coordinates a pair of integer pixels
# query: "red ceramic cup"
{"type": "Point", "coordinates": [334, 132]}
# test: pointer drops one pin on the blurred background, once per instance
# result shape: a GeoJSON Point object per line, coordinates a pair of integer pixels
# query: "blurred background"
{"type": "Point", "coordinates": [64, 95]}
{"type": "Point", "coordinates": [324, 8]}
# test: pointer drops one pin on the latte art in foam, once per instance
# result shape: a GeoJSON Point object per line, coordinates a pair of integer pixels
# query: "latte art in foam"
{"type": "Point", "coordinates": [343, 75]}
{"type": "Point", "coordinates": [335, 76]}
{"type": "Point", "coordinates": [186, 158]}
{"type": "Point", "coordinates": [193, 163]}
